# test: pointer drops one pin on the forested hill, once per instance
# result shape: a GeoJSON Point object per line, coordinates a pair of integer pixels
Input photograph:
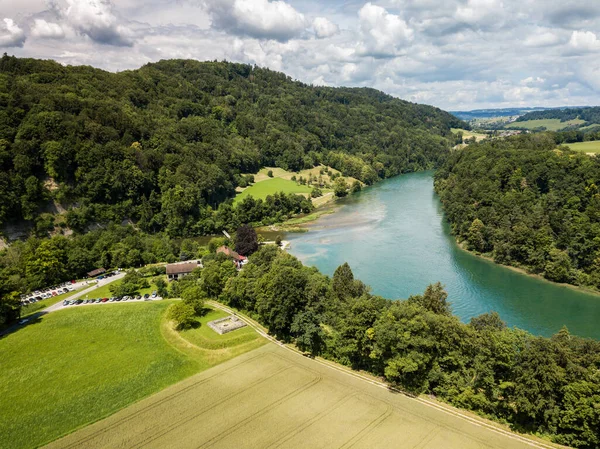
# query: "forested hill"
{"type": "Point", "coordinates": [165, 145]}
{"type": "Point", "coordinates": [590, 115]}
{"type": "Point", "coordinates": [528, 204]}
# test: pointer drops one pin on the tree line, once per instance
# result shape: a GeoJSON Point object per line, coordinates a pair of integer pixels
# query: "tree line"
{"type": "Point", "coordinates": [591, 115]}
{"type": "Point", "coordinates": [546, 386]}
{"type": "Point", "coordinates": [526, 203]}
{"type": "Point", "coordinates": [165, 145]}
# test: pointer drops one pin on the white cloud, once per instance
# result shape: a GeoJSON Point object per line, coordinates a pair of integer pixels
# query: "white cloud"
{"type": "Point", "coordinates": [324, 27]}
{"type": "Point", "coordinates": [95, 19]}
{"type": "Point", "coordinates": [382, 33]}
{"type": "Point", "coordinates": [481, 13]}
{"type": "Point", "coordinates": [542, 37]}
{"type": "Point", "coordinates": [584, 42]}
{"type": "Point", "coordinates": [49, 30]}
{"type": "Point", "coordinates": [11, 35]}
{"type": "Point", "coordinates": [257, 18]}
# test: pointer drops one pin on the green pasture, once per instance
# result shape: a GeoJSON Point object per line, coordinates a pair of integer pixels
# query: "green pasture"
{"type": "Point", "coordinates": [270, 186]}
{"type": "Point", "coordinates": [549, 124]}
{"type": "Point", "coordinates": [592, 146]}
{"type": "Point", "coordinates": [469, 134]}
{"type": "Point", "coordinates": [78, 365]}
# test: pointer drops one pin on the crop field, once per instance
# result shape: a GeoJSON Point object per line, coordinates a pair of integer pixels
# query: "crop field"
{"type": "Point", "coordinates": [549, 124]}
{"type": "Point", "coordinates": [78, 365]}
{"type": "Point", "coordinates": [271, 398]}
{"type": "Point", "coordinates": [585, 147]}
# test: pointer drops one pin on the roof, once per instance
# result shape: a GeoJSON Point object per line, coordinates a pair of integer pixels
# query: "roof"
{"type": "Point", "coordinates": [229, 252]}
{"type": "Point", "coordinates": [96, 272]}
{"type": "Point", "coordinates": [182, 268]}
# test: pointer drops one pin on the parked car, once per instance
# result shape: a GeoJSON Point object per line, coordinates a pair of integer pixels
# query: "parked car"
{"type": "Point", "coordinates": [153, 295]}
{"type": "Point", "coordinates": [79, 301]}
{"type": "Point", "coordinates": [104, 299]}
{"type": "Point", "coordinates": [65, 303]}
{"type": "Point", "coordinates": [146, 296]}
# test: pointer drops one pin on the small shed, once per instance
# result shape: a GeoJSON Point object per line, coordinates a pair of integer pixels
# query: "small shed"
{"type": "Point", "coordinates": [178, 270]}
{"type": "Point", "coordinates": [96, 272]}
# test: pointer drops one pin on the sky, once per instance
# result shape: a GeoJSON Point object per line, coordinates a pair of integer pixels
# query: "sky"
{"type": "Point", "coordinates": [454, 54]}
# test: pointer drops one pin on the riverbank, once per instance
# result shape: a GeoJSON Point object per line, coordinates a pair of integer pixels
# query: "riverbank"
{"type": "Point", "coordinates": [523, 271]}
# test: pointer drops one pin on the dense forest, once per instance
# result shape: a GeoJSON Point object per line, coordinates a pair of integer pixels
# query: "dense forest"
{"type": "Point", "coordinates": [526, 203]}
{"type": "Point", "coordinates": [546, 386]}
{"type": "Point", "coordinates": [591, 115]}
{"type": "Point", "coordinates": [163, 146]}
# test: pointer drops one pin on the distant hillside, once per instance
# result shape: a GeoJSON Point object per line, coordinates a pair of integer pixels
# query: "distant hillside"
{"type": "Point", "coordinates": [570, 117]}
{"type": "Point", "coordinates": [165, 145]}
{"type": "Point", "coordinates": [490, 113]}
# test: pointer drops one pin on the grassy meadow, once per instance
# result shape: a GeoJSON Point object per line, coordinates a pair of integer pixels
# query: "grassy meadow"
{"type": "Point", "coordinates": [585, 147]}
{"type": "Point", "coordinates": [78, 365]}
{"type": "Point", "coordinates": [469, 134]}
{"type": "Point", "coordinates": [282, 182]}
{"type": "Point", "coordinates": [549, 124]}
{"type": "Point", "coordinates": [262, 189]}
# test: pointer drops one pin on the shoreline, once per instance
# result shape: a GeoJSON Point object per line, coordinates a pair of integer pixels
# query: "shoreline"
{"type": "Point", "coordinates": [524, 272]}
{"type": "Point", "coordinates": [301, 224]}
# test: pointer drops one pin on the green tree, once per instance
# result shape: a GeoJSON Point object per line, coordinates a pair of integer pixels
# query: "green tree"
{"type": "Point", "coordinates": [183, 315]}
{"type": "Point", "coordinates": [476, 236]}
{"type": "Point", "coordinates": [195, 297]}
{"type": "Point", "coordinates": [340, 187]}
{"type": "Point", "coordinates": [306, 328]}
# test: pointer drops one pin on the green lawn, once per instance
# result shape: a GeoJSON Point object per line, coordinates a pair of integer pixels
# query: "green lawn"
{"type": "Point", "coordinates": [30, 309]}
{"type": "Point", "coordinates": [205, 337]}
{"type": "Point", "coordinates": [549, 124]}
{"type": "Point", "coordinates": [78, 365]}
{"type": "Point", "coordinates": [585, 147]}
{"type": "Point", "coordinates": [270, 186]}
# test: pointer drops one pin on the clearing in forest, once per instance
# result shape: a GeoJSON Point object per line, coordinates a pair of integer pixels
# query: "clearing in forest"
{"type": "Point", "coordinates": [272, 398]}
{"type": "Point", "coordinates": [592, 146]}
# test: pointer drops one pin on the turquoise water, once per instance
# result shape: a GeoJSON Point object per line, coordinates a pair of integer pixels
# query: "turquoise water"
{"type": "Point", "coordinates": [396, 240]}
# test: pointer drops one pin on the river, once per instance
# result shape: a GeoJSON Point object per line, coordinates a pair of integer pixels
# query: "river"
{"type": "Point", "coordinates": [395, 238]}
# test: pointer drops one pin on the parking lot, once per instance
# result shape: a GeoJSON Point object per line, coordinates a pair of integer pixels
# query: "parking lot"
{"type": "Point", "coordinates": [61, 289]}
{"type": "Point", "coordinates": [76, 302]}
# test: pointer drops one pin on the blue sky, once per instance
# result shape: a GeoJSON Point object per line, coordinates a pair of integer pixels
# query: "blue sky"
{"type": "Point", "coordinates": [455, 54]}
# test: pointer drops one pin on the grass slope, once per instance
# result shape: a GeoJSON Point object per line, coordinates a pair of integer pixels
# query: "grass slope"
{"type": "Point", "coordinates": [549, 124]}
{"type": "Point", "coordinates": [585, 147]}
{"type": "Point", "coordinates": [270, 186]}
{"type": "Point", "coordinates": [78, 365]}
{"type": "Point", "coordinates": [469, 134]}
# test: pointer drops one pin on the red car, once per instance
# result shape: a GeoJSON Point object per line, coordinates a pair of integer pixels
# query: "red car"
{"type": "Point", "coordinates": [104, 299]}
